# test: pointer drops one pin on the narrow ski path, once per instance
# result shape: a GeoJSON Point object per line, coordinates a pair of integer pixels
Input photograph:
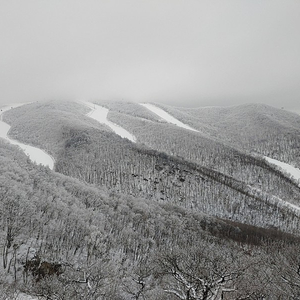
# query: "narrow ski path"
{"type": "Point", "coordinates": [275, 199]}
{"type": "Point", "coordinates": [166, 116]}
{"type": "Point", "coordinates": [35, 154]}
{"type": "Point", "coordinates": [100, 113]}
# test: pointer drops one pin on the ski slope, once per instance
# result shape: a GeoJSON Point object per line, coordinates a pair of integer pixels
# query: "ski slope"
{"type": "Point", "coordinates": [294, 172]}
{"type": "Point", "coordinates": [166, 116]}
{"type": "Point", "coordinates": [275, 200]}
{"type": "Point", "coordinates": [35, 154]}
{"type": "Point", "coordinates": [100, 113]}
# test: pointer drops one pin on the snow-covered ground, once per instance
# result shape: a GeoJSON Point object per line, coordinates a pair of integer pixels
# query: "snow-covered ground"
{"type": "Point", "coordinates": [166, 116]}
{"type": "Point", "coordinates": [100, 113]}
{"type": "Point", "coordinates": [20, 296]}
{"type": "Point", "coordinates": [35, 154]}
{"type": "Point", "coordinates": [287, 204]}
{"type": "Point", "coordinates": [297, 111]}
{"type": "Point", "coordinates": [23, 296]}
{"type": "Point", "coordinates": [276, 200]}
{"type": "Point", "coordinates": [294, 172]}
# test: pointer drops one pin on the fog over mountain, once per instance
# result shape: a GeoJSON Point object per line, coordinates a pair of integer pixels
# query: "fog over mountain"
{"type": "Point", "coordinates": [149, 150]}
{"type": "Point", "coordinates": [185, 53]}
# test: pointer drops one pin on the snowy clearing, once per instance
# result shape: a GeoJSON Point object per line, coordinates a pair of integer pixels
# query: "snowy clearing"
{"type": "Point", "coordinates": [166, 116]}
{"type": "Point", "coordinates": [294, 172]}
{"type": "Point", "coordinates": [100, 113]}
{"type": "Point", "coordinates": [35, 154]}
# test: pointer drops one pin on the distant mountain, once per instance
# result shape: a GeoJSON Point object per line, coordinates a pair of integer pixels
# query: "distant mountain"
{"type": "Point", "coordinates": [255, 128]}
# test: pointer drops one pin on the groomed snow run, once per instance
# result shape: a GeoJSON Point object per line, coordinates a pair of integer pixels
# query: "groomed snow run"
{"type": "Point", "coordinates": [100, 113]}
{"type": "Point", "coordinates": [166, 116]}
{"type": "Point", "coordinates": [294, 172]}
{"type": "Point", "coordinates": [35, 154]}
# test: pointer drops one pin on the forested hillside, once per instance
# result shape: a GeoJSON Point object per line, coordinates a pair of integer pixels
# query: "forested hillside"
{"type": "Point", "coordinates": [255, 128]}
{"type": "Point", "coordinates": [62, 239]}
{"type": "Point", "coordinates": [225, 134]}
{"type": "Point", "coordinates": [176, 215]}
{"type": "Point", "coordinates": [218, 180]}
{"type": "Point", "coordinates": [199, 149]}
{"type": "Point", "coordinates": [42, 124]}
{"type": "Point", "coordinates": [105, 159]}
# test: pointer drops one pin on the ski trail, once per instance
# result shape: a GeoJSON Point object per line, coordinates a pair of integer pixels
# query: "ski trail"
{"type": "Point", "coordinates": [166, 116]}
{"type": "Point", "coordinates": [100, 113]}
{"type": "Point", "coordinates": [294, 172]}
{"type": "Point", "coordinates": [275, 200]}
{"type": "Point", "coordinates": [35, 154]}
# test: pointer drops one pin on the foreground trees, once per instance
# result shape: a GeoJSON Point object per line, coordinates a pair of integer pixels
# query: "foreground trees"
{"type": "Point", "coordinates": [209, 272]}
{"type": "Point", "coordinates": [189, 283]}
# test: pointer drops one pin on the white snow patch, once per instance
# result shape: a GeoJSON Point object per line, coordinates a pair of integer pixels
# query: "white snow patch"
{"type": "Point", "coordinates": [276, 200]}
{"type": "Point", "coordinates": [287, 204]}
{"type": "Point", "coordinates": [166, 116]}
{"type": "Point", "coordinates": [100, 113]}
{"type": "Point", "coordinates": [294, 172]}
{"type": "Point", "coordinates": [296, 111]}
{"type": "Point", "coordinates": [23, 296]}
{"type": "Point", "coordinates": [35, 154]}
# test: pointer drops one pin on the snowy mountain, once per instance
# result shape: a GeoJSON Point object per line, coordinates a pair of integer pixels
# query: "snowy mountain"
{"type": "Point", "coordinates": [150, 201]}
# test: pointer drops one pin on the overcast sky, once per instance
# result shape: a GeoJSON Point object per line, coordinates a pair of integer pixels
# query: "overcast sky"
{"type": "Point", "coordinates": [192, 53]}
